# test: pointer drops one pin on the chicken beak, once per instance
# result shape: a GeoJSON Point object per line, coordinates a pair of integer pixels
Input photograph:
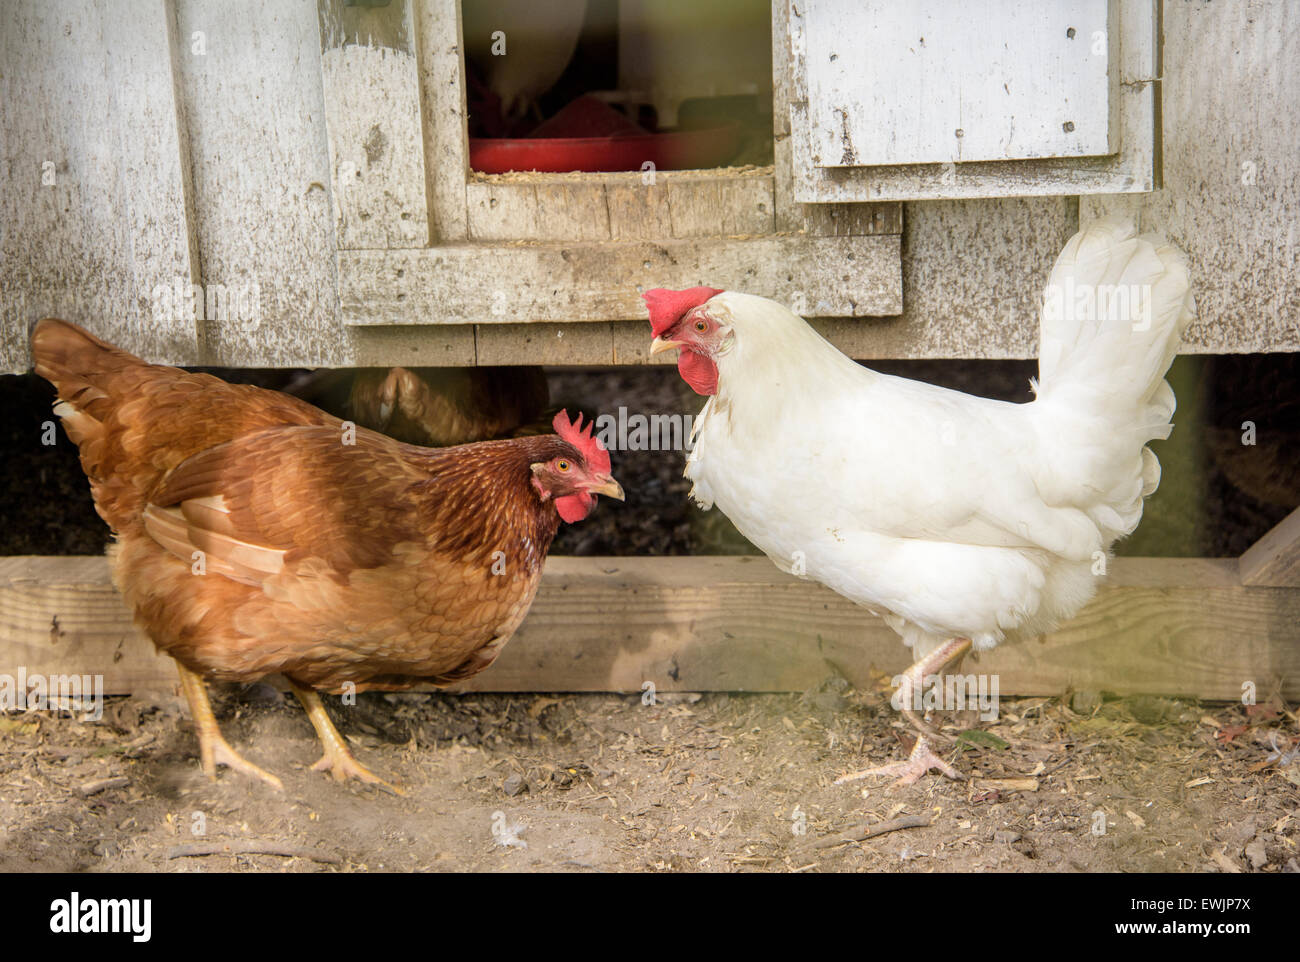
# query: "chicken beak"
{"type": "Point", "coordinates": [658, 345]}
{"type": "Point", "coordinates": [608, 487]}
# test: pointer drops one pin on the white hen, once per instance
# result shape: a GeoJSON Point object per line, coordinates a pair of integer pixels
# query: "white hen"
{"type": "Point", "coordinates": [961, 520]}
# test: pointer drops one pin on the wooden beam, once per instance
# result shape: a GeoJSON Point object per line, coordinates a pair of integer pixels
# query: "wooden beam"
{"type": "Point", "coordinates": [1274, 560]}
{"type": "Point", "coordinates": [371, 84]}
{"type": "Point", "coordinates": [857, 276]}
{"type": "Point", "coordinates": [1183, 627]}
{"type": "Point", "coordinates": [442, 99]}
{"type": "Point", "coordinates": [97, 196]}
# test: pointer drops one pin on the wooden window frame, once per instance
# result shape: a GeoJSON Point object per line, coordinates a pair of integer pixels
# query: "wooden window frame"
{"type": "Point", "coordinates": [423, 240]}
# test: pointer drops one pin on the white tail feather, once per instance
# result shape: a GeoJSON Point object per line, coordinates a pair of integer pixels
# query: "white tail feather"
{"type": "Point", "coordinates": [1115, 308]}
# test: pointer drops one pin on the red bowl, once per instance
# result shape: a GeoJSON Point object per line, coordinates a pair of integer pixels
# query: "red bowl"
{"type": "Point", "coordinates": [674, 150]}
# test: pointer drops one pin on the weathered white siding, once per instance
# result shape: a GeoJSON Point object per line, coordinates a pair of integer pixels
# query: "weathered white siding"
{"type": "Point", "coordinates": [92, 199]}
{"type": "Point", "coordinates": [254, 113]}
{"type": "Point", "coordinates": [1231, 195]}
{"type": "Point", "coordinates": [972, 270]}
{"type": "Point", "coordinates": [240, 192]}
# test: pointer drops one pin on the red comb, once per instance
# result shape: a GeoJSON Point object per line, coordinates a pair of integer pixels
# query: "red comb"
{"type": "Point", "coordinates": [667, 307]}
{"type": "Point", "coordinates": [593, 452]}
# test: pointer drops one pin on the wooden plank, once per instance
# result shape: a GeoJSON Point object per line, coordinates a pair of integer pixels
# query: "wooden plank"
{"type": "Point", "coordinates": [639, 211]}
{"type": "Point", "coordinates": [446, 139]}
{"type": "Point", "coordinates": [783, 88]}
{"type": "Point", "coordinates": [1274, 560]}
{"type": "Point", "coordinates": [1163, 626]}
{"type": "Point", "coordinates": [1242, 237]}
{"type": "Point", "coordinates": [261, 172]}
{"type": "Point", "coordinates": [852, 220]}
{"type": "Point", "coordinates": [823, 220]}
{"type": "Point", "coordinates": [371, 85]}
{"type": "Point", "coordinates": [95, 202]}
{"type": "Point", "coordinates": [721, 207]}
{"type": "Point", "coordinates": [632, 345]}
{"type": "Point", "coordinates": [153, 162]}
{"type": "Point", "coordinates": [547, 207]}
{"type": "Point", "coordinates": [444, 345]}
{"type": "Point", "coordinates": [1133, 168]}
{"type": "Point", "coordinates": [495, 284]}
{"type": "Point", "coordinates": [544, 343]}
{"type": "Point", "coordinates": [62, 615]}
{"type": "Point", "coordinates": [503, 211]}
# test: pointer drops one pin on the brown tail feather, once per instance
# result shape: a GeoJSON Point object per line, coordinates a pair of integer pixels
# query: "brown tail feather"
{"type": "Point", "coordinates": [81, 367]}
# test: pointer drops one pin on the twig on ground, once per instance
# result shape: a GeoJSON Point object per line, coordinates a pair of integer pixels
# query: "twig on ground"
{"type": "Point", "coordinates": [863, 832]}
{"type": "Point", "coordinates": [97, 785]}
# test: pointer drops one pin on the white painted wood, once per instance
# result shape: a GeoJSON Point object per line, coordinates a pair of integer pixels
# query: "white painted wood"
{"type": "Point", "coordinates": [950, 80]}
{"type": "Point", "coordinates": [1135, 131]}
{"type": "Point", "coordinates": [819, 219]}
{"type": "Point", "coordinates": [372, 112]}
{"type": "Point", "coordinates": [502, 284]}
{"type": "Point", "coordinates": [93, 211]}
{"type": "Point", "coordinates": [442, 97]}
{"type": "Point", "coordinates": [1231, 191]}
{"type": "Point", "coordinates": [262, 215]}
{"type": "Point", "coordinates": [537, 211]}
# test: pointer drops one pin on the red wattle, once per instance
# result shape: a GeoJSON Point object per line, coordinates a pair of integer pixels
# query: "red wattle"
{"type": "Point", "coordinates": [575, 507]}
{"type": "Point", "coordinates": [699, 372]}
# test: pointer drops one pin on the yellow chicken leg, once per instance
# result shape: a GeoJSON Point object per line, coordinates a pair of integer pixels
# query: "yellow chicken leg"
{"type": "Point", "coordinates": [922, 758]}
{"type": "Point", "coordinates": [338, 759]}
{"type": "Point", "coordinates": [214, 750]}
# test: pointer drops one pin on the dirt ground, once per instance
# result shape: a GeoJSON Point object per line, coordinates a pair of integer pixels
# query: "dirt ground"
{"type": "Point", "coordinates": [711, 783]}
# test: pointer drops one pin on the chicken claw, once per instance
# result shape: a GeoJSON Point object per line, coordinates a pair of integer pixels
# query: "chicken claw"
{"type": "Point", "coordinates": [338, 759]}
{"type": "Point", "coordinates": [922, 759]}
{"type": "Point", "coordinates": [214, 750]}
{"type": "Point", "coordinates": [919, 763]}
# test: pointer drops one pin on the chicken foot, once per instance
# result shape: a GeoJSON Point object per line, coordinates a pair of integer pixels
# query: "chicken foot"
{"type": "Point", "coordinates": [214, 750]}
{"type": "Point", "coordinates": [922, 758]}
{"type": "Point", "coordinates": [338, 759]}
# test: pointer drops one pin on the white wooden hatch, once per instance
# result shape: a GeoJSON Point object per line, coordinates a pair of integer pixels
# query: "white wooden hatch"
{"type": "Point", "coordinates": [959, 86]}
{"type": "Point", "coordinates": [951, 98]}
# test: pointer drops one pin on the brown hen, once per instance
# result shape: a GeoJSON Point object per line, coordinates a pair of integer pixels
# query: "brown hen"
{"type": "Point", "coordinates": [256, 534]}
{"type": "Point", "coordinates": [434, 406]}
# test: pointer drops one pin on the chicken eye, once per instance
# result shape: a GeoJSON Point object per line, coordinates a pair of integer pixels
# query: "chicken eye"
{"type": "Point", "coordinates": [701, 326]}
{"type": "Point", "coordinates": [562, 464]}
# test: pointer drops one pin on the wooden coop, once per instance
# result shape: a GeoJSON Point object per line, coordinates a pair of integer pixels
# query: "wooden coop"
{"type": "Point", "coordinates": [306, 169]}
